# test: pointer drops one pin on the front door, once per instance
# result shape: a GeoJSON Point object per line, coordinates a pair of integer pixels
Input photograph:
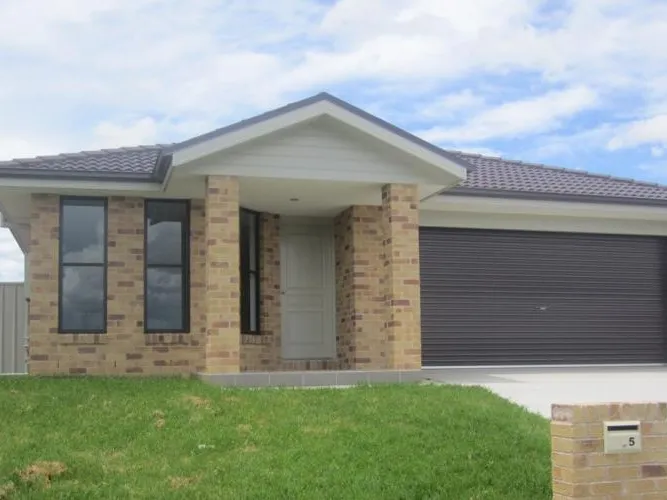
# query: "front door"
{"type": "Point", "coordinates": [307, 289]}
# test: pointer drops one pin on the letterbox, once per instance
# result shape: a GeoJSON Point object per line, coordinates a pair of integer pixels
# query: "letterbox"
{"type": "Point", "coordinates": [622, 437]}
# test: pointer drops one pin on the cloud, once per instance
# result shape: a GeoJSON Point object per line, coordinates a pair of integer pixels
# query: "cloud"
{"type": "Point", "coordinates": [450, 105]}
{"type": "Point", "coordinates": [110, 135]}
{"type": "Point", "coordinates": [649, 131]}
{"type": "Point", "coordinates": [567, 146]}
{"type": "Point", "coordinates": [563, 77]}
{"type": "Point", "coordinates": [18, 147]}
{"type": "Point", "coordinates": [11, 258]}
{"type": "Point", "coordinates": [518, 118]}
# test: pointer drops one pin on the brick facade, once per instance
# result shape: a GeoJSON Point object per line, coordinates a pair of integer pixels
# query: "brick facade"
{"type": "Point", "coordinates": [359, 295]}
{"type": "Point", "coordinates": [262, 352]}
{"type": "Point", "coordinates": [223, 311]}
{"type": "Point", "coordinates": [581, 469]}
{"type": "Point", "coordinates": [125, 348]}
{"type": "Point", "coordinates": [400, 227]}
{"type": "Point", "coordinates": [344, 255]}
{"type": "Point", "coordinates": [377, 292]}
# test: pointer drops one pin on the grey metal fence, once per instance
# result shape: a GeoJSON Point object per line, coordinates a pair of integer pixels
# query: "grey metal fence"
{"type": "Point", "coordinates": [13, 327]}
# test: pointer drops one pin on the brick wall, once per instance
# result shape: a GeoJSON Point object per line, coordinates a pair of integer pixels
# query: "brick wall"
{"type": "Point", "coordinates": [125, 348]}
{"type": "Point", "coordinates": [262, 352]}
{"type": "Point", "coordinates": [377, 292]}
{"type": "Point", "coordinates": [581, 469]}
{"type": "Point", "coordinates": [360, 301]}
{"type": "Point", "coordinates": [223, 325]}
{"type": "Point", "coordinates": [344, 257]}
{"type": "Point", "coordinates": [400, 229]}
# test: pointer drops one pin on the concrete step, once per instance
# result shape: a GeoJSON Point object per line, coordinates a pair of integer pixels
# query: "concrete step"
{"type": "Point", "coordinates": [312, 378]}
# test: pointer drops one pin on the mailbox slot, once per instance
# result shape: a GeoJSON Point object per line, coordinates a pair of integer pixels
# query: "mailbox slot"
{"type": "Point", "coordinates": [622, 437]}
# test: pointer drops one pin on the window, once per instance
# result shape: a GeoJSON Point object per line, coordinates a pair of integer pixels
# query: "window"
{"type": "Point", "coordinates": [82, 265]}
{"type": "Point", "coordinates": [166, 288]}
{"type": "Point", "coordinates": [249, 241]}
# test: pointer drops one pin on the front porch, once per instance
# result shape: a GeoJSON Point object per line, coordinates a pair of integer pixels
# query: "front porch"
{"type": "Point", "coordinates": [338, 289]}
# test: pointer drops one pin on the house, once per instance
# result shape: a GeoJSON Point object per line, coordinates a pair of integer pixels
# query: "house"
{"type": "Point", "coordinates": [319, 237]}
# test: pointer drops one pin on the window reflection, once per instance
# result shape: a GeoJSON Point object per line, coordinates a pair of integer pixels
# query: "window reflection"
{"type": "Point", "coordinates": [82, 232]}
{"type": "Point", "coordinates": [82, 299]}
{"type": "Point", "coordinates": [82, 293]}
{"type": "Point", "coordinates": [166, 304]}
{"type": "Point", "coordinates": [249, 252]}
{"type": "Point", "coordinates": [164, 232]}
{"type": "Point", "coordinates": [164, 299]}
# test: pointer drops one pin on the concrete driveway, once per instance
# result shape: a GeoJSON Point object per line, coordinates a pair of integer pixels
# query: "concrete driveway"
{"type": "Point", "coordinates": [538, 388]}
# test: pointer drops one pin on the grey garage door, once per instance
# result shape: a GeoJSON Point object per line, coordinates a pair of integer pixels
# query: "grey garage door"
{"type": "Point", "coordinates": [519, 297]}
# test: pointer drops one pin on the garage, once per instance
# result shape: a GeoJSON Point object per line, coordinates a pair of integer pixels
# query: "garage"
{"type": "Point", "coordinates": [492, 297]}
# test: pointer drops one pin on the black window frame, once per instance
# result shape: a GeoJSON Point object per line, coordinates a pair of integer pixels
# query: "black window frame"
{"type": "Point", "coordinates": [94, 201]}
{"type": "Point", "coordinates": [247, 274]}
{"type": "Point", "coordinates": [184, 266]}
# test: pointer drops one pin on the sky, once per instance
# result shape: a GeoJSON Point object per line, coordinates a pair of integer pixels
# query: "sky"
{"type": "Point", "coordinates": [572, 83]}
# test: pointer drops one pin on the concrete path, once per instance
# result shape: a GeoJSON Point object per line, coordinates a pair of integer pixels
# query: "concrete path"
{"type": "Point", "coordinates": [538, 388]}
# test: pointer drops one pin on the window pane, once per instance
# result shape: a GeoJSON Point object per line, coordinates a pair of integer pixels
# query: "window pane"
{"type": "Point", "coordinates": [249, 222]}
{"type": "Point", "coordinates": [164, 231]}
{"type": "Point", "coordinates": [248, 239]}
{"type": "Point", "coordinates": [82, 300]}
{"type": "Point", "coordinates": [245, 305]}
{"type": "Point", "coordinates": [252, 242]}
{"type": "Point", "coordinates": [83, 230]}
{"type": "Point", "coordinates": [253, 303]}
{"type": "Point", "coordinates": [164, 299]}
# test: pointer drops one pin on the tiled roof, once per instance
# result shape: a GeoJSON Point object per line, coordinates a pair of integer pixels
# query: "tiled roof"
{"type": "Point", "coordinates": [486, 175]}
{"type": "Point", "coordinates": [132, 160]}
{"type": "Point", "coordinates": [511, 176]}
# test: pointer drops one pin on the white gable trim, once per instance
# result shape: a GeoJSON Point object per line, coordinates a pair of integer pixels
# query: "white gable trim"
{"type": "Point", "coordinates": [309, 112]}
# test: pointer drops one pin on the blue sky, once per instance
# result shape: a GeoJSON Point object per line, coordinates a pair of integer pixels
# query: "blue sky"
{"type": "Point", "coordinates": [580, 84]}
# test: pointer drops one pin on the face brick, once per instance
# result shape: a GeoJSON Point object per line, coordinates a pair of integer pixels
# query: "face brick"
{"type": "Point", "coordinates": [125, 340]}
{"type": "Point", "coordinates": [377, 291]}
{"type": "Point", "coordinates": [581, 469]}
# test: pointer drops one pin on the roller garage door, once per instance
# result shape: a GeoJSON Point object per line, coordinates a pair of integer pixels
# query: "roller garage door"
{"type": "Point", "coordinates": [519, 297]}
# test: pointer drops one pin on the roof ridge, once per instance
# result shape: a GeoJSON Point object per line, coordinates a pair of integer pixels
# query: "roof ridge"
{"type": "Point", "coordinates": [91, 152]}
{"type": "Point", "coordinates": [581, 172]}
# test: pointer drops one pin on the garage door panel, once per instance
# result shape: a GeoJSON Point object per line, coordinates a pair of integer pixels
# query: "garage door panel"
{"type": "Point", "coordinates": [512, 297]}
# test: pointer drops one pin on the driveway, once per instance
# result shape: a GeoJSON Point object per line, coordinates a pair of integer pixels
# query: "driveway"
{"type": "Point", "coordinates": [538, 388]}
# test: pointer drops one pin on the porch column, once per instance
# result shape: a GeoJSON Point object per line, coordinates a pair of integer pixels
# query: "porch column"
{"type": "Point", "coordinates": [400, 227]}
{"type": "Point", "coordinates": [223, 324]}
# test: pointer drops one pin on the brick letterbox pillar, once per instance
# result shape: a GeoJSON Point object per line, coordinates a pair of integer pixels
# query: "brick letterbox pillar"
{"type": "Point", "coordinates": [581, 468]}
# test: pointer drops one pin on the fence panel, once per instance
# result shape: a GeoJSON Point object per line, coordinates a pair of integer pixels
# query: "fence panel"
{"type": "Point", "coordinates": [13, 327]}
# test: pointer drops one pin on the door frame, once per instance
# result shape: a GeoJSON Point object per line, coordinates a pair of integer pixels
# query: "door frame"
{"type": "Point", "coordinates": [323, 226]}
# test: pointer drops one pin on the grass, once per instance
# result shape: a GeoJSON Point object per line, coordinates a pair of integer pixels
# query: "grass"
{"type": "Point", "coordinates": [175, 438]}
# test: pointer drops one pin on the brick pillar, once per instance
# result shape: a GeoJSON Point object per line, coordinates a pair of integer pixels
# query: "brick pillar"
{"type": "Point", "coordinates": [359, 296]}
{"type": "Point", "coordinates": [581, 469]}
{"type": "Point", "coordinates": [400, 227]}
{"type": "Point", "coordinates": [43, 268]}
{"type": "Point", "coordinates": [223, 325]}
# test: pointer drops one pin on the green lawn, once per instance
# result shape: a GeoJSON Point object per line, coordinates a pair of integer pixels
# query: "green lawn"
{"type": "Point", "coordinates": [175, 438]}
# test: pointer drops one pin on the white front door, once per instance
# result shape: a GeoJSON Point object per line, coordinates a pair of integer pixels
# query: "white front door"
{"type": "Point", "coordinates": [307, 288]}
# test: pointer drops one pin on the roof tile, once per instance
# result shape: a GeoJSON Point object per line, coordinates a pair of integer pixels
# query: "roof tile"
{"type": "Point", "coordinates": [487, 173]}
{"type": "Point", "coordinates": [133, 160]}
{"type": "Point", "coordinates": [491, 173]}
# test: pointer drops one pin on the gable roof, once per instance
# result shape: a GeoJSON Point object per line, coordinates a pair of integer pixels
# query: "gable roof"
{"type": "Point", "coordinates": [322, 97]}
{"type": "Point", "coordinates": [487, 176]}
{"type": "Point", "coordinates": [152, 163]}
